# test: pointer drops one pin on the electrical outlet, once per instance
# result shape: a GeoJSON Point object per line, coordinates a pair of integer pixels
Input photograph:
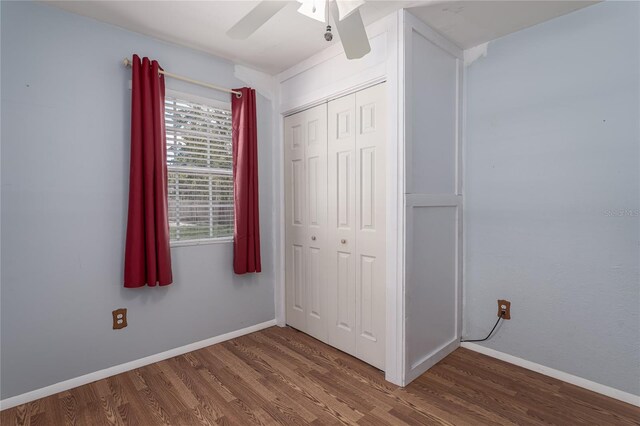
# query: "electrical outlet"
{"type": "Point", "coordinates": [119, 318]}
{"type": "Point", "coordinates": [504, 306]}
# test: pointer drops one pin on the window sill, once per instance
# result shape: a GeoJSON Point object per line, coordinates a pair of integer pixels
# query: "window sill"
{"type": "Point", "coordinates": [201, 242]}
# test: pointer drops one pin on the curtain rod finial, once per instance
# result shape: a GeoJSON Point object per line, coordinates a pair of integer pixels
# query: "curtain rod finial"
{"type": "Point", "coordinates": [126, 62]}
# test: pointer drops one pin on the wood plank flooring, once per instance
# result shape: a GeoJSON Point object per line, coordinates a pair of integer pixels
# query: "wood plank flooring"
{"type": "Point", "coordinates": [282, 376]}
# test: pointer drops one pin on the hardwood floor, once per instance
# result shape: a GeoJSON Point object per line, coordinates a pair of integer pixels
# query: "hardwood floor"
{"type": "Point", "coordinates": [281, 376]}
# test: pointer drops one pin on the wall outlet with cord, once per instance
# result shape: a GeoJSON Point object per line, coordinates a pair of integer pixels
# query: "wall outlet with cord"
{"type": "Point", "coordinates": [504, 312]}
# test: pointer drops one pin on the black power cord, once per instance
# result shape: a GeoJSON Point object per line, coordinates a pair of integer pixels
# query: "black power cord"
{"type": "Point", "coordinates": [502, 313]}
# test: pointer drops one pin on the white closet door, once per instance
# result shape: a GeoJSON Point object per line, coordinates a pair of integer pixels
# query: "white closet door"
{"type": "Point", "coordinates": [356, 232]}
{"type": "Point", "coordinates": [335, 223]}
{"type": "Point", "coordinates": [316, 207]}
{"type": "Point", "coordinates": [295, 218]}
{"type": "Point", "coordinates": [341, 242]}
{"type": "Point", "coordinates": [306, 218]}
{"type": "Point", "coordinates": [370, 225]}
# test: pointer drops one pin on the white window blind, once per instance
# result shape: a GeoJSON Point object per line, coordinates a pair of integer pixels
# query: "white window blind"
{"type": "Point", "coordinates": [199, 163]}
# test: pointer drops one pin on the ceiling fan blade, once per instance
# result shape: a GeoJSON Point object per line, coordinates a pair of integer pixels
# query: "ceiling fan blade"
{"type": "Point", "coordinates": [253, 20]}
{"type": "Point", "coordinates": [347, 7]}
{"type": "Point", "coordinates": [352, 34]}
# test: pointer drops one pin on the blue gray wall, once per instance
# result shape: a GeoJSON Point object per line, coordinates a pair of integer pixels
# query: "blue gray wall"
{"type": "Point", "coordinates": [64, 173]}
{"type": "Point", "coordinates": [552, 191]}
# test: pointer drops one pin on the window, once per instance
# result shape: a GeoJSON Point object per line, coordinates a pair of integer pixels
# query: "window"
{"type": "Point", "coordinates": [199, 167]}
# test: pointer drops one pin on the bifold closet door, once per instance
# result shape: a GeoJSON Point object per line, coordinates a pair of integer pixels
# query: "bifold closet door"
{"type": "Point", "coordinates": [356, 224]}
{"type": "Point", "coordinates": [341, 238]}
{"type": "Point", "coordinates": [306, 220]}
{"type": "Point", "coordinates": [371, 136]}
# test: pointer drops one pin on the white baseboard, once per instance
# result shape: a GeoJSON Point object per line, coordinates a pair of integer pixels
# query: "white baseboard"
{"type": "Point", "coordinates": [127, 366]}
{"type": "Point", "coordinates": [629, 398]}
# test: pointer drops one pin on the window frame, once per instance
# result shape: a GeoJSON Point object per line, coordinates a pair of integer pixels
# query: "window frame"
{"type": "Point", "coordinates": [215, 103]}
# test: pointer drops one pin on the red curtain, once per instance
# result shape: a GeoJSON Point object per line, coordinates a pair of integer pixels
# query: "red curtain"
{"type": "Point", "coordinates": [246, 244]}
{"type": "Point", "coordinates": [147, 255]}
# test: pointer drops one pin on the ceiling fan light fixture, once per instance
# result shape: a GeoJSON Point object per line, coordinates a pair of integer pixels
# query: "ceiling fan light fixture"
{"type": "Point", "coordinates": [315, 9]}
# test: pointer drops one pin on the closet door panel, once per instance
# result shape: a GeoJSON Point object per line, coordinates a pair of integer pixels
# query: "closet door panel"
{"type": "Point", "coordinates": [316, 161]}
{"type": "Point", "coordinates": [295, 220]}
{"type": "Point", "coordinates": [370, 234]}
{"type": "Point", "coordinates": [297, 269]}
{"type": "Point", "coordinates": [341, 233]}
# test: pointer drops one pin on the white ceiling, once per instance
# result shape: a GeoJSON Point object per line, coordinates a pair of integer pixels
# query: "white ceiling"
{"type": "Point", "coordinates": [470, 23]}
{"type": "Point", "coordinates": [286, 39]}
{"type": "Point", "coordinates": [290, 37]}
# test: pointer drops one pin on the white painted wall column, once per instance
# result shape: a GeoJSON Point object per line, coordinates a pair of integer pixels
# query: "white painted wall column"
{"type": "Point", "coordinates": [432, 70]}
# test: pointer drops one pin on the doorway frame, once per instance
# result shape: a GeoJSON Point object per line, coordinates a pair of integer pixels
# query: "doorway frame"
{"type": "Point", "coordinates": [386, 70]}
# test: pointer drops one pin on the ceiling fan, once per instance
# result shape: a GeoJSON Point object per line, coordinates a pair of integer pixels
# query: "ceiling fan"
{"type": "Point", "coordinates": [346, 17]}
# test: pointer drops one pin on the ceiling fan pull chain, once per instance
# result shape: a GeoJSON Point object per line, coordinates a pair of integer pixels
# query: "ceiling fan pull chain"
{"type": "Point", "coordinates": [326, 13]}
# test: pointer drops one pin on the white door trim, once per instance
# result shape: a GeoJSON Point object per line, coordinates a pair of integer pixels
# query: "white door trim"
{"type": "Point", "coordinates": [395, 311]}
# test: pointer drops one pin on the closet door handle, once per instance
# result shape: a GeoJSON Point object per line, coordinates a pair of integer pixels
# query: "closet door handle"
{"type": "Point", "coordinates": [313, 238]}
{"type": "Point", "coordinates": [343, 241]}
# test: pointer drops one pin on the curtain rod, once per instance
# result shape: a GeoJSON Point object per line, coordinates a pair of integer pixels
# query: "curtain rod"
{"type": "Point", "coordinates": [127, 63]}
